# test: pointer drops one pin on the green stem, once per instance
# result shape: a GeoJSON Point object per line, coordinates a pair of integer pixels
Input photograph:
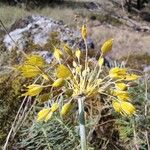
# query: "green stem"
{"type": "Point", "coordinates": [82, 123]}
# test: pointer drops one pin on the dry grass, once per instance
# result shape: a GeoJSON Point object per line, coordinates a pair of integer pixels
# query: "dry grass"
{"type": "Point", "coordinates": [9, 14]}
{"type": "Point", "coordinates": [127, 42]}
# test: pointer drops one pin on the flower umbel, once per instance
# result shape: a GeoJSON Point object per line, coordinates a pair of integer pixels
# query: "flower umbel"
{"type": "Point", "coordinates": [65, 79]}
{"type": "Point", "coordinates": [73, 82]}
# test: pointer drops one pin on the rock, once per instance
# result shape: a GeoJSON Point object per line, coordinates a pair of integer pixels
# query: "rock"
{"type": "Point", "coordinates": [92, 5]}
{"type": "Point", "coordinates": [38, 30]}
{"type": "Point", "coordinates": [146, 71]}
{"type": "Point", "coordinates": [145, 13]}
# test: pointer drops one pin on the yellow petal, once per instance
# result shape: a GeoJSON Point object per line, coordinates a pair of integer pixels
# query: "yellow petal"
{"type": "Point", "coordinates": [54, 107]}
{"type": "Point", "coordinates": [29, 71]}
{"type": "Point", "coordinates": [35, 60]}
{"type": "Point", "coordinates": [58, 83]}
{"type": "Point", "coordinates": [131, 77]}
{"type": "Point", "coordinates": [124, 108]}
{"type": "Point", "coordinates": [122, 95]}
{"type": "Point", "coordinates": [121, 86]}
{"type": "Point", "coordinates": [118, 70]}
{"type": "Point", "coordinates": [84, 32]}
{"type": "Point", "coordinates": [107, 46]}
{"type": "Point", "coordinates": [127, 108]}
{"type": "Point", "coordinates": [117, 73]}
{"type": "Point", "coordinates": [63, 72]}
{"type": "Point", "coordinates": [68, 50]}
{"type": "Point", "coordinates": [33, 90]}
{"type": "Point", "coordinates": [116, 106]}
{"type": "Point", "coordinates": [58, 54]}
{"type": "Point", "coordinates": [43, 114]}
{"type": "Point", "coordinates": [78, 53]}
{"type": "Point", "coordinates": [66, 108]}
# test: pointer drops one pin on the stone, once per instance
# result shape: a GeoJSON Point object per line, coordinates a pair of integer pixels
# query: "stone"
{"type": "Point", "coordinates": [38, 30]}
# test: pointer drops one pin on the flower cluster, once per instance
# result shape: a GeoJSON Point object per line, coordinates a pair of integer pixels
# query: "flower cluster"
{"type": "Point", "coordinates": [73, 74]}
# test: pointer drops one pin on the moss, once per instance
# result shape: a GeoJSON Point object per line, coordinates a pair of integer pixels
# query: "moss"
{"type": "Point", "coordinates": [11, 84]}
{"type": "Point", "coordinates": [10, 90]}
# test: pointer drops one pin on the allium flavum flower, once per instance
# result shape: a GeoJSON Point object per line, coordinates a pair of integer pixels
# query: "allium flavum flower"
{"type": "Point", "coordinates": [80, 77]}
{"type": "Point", "coordinates": [125, 108]}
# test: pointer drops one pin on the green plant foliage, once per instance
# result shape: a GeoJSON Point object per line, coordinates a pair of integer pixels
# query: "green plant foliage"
{"type": "Point", "coordinates": [139, 127]}
{"type": "Point", "coordinates": [52, 135]}
{"type": "Point", "coordinates": [125, 128]}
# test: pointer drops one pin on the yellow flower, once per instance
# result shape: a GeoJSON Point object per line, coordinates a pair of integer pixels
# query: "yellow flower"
{"type": "Point", "coordinates": [122, 95]}
{"type": "Point", "coordinates": [125, 108]}
{"type": "Point", "coordinates": [35, 60]}
{"type": "Point", "coordinates": [131, 77]}
{"type": "Point", "coordinates": [54, 107]}
{"type": "Point", "coordinates": [58, 83]}
{"type": "Point", "coordinates": [66, 108]}
{"type": "Point", "coordinates": [33, 90]}
{"type": "Point", "coordinates": [63, 72]}
{"type": "Point", "coordinates": [107, 46]}
{"type": "Point", "coordinates": [101, 61]}
{"type": "Point", "coordinates": [84, 32]}
{"type": "Point", "coordinates": [29, 71]}
{"type": "Point", "coordinates": [44, 115]}
{"type": "Point", "coordinates": [121, 86]}
{"type": "Point", "coordinates": [116, 106]}
{"type": "Point", "coordinates": [117, 73]}
{"type": "Point", "coordinates": [78, 53]}
{"type": "Point", "coordinates": [68, 50]}
{"type": "Point", "coordinates": [58, 54]}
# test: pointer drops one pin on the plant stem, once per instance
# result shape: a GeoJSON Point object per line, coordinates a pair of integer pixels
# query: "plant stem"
{"type": "Point", "coordinates": [82, 123]}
